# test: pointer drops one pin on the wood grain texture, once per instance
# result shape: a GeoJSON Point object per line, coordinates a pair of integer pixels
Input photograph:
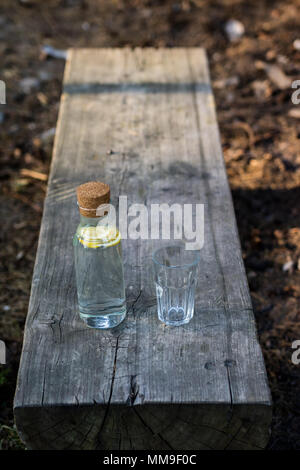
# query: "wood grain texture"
{"type": "Point", "coordinates": [143, 121]}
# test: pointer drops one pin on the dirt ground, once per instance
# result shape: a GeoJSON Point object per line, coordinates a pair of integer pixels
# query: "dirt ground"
{"type": "Point", "coordinates": [260, 136]}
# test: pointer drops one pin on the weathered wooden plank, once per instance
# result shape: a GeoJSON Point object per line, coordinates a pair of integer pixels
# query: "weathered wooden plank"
{"type": "Point", "coordinates": [141, 384]}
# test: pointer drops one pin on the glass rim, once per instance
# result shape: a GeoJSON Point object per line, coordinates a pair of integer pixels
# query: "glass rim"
{"type": "Point", "coordinates": [176, 266]}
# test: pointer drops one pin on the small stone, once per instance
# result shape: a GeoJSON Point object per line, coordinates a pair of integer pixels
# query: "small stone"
{"type": "Point", "coordinates": [261, 89]}
{"type": "Point", "coordinates": [296, 44]}
{"type": "Point", "coordinates": [145, 12]}
{"type": "Point", "coordinates": [20, 255]}
{"type": "Point", "coordinates": [17, 152]}
{"type": "Point", "coordinates": [230, 97]}
{"type": "Point", "coordinates": [282, 59]}
{"type": "Point", "coordinates": [85, 26]}
{"type": "Point", "coordinates": [48, 135]}
{"type": "Point", "coordinates": [288, 266]}
{"type": "Point", "coordinates": [20, 225]}
{"type": "Point", "coordinates": [251, 275]}
{"type": "Point", "coordinates": [234, 30]}
{"type": "Point", "coordinates": [14, 128]}
{"type": "Point", "coordinates": [49, 51]}
{"type": "Point", "coordinates": [270, 55]}
{"type": "Point", "coordinates": [294, 113]}
{"type": "Point", "coordinates": [216, 56]}
{"type": "Point", "coordinates": [28, 84]}
{"type": "Point", "coordinates": [44, 75]}
{"type": "Point", "coordinates": [28, 158]}
{"type": "Point", "coordinates": [42, 98]}
{"type": "Point", "coordinates": [277, 76]}
{"type": "Point", "coordinates": [36, 142]}
{"type": "Point", "coordinates": [225, 82]}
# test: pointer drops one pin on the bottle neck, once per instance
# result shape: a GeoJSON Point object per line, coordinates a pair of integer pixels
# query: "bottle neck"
{"type": "Point", "coordinates": [101, 212]}
{"type": "Point", "coordinates": [93, 221]}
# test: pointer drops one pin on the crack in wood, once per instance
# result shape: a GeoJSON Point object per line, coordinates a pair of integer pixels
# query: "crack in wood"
{"type": "Point", "coordinates": [147, 426]}
{"type": "Point", "coordinates": [135, 302]}
{"type": "Point", "coordinates": [134, 390]}
{"type": "Point", "coordinates": [234, 436]}
{"type": "Point", "coordinates": [98, 438]}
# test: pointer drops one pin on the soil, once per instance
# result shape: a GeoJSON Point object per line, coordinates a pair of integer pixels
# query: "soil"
{"type": "Point", "coordinates": [260, 133]}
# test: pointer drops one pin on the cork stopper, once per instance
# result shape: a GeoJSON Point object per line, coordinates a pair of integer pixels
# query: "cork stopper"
{"type": "Point", "coordinates": [90, 196]}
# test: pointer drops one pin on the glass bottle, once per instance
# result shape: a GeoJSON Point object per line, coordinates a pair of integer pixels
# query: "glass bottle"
{"type": "Point", "coordinates": [98, 260]}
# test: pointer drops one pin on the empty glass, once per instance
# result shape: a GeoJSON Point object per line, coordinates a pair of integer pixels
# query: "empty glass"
{"type": "Point", "coordinates": [175, 272]}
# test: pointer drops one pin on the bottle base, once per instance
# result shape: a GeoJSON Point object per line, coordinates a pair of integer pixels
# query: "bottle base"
{"type": "Point", "coordinates": [103, 322]}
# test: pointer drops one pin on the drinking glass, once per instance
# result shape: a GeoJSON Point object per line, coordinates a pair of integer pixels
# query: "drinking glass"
{"type": "Point", "coordinates": [175, 272]}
